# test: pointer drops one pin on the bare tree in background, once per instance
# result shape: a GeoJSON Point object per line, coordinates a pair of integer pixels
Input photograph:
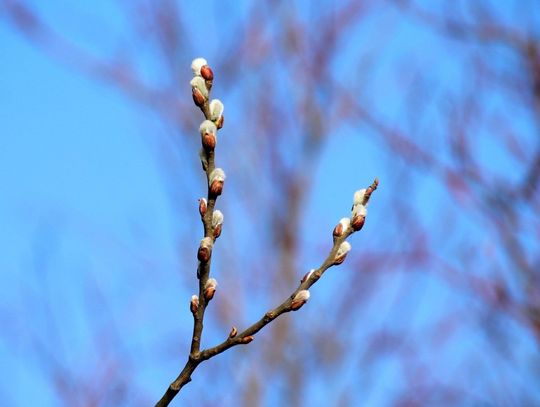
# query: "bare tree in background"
{"type": "Point", "coordinates": [448, 127]}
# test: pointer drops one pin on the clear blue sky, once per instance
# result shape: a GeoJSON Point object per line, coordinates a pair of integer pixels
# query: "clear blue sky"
{"type": "Point", "coordinates": [87, 211]}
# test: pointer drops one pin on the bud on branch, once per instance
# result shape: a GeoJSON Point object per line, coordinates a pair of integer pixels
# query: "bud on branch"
{"type": "Point", "coordinates": [205, 250]}
{"type": "Point", "coordinates": [299, 299]}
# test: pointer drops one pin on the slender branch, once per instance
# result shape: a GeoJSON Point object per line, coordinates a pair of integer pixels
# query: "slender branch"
{"type": "Point", "coordinates": [336, 256]}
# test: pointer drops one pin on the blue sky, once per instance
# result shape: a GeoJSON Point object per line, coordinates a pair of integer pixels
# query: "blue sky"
{"type": "Point", "coordinates": [91, 225]}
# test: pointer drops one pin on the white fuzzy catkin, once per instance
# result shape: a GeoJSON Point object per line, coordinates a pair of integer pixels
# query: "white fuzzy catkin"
{"type": "Point", "coordinates": [302, 295]}
{"type": "Point", "coordinates": [207, 127]}
{"type": "Point", "coordinates": [206, 242]}
{"type": "Point", "coordinates": [211, 283]}
{"type": "Point", "coordinates": [217, 175]}
{"type": "Point", "coordinates": [359, 210]}
{"type": "Point", "coordinates": [345, 223]}
{"type": "Point", "coordinates": [198, 83]}
{"type": "Point", "coordinates": [343, 249]}
{"type": "Point", "coordinates": [359, 196]}
{"type": "Point", "coordinates": [217, 218]}
{"type": "Point", "coordinates": [216, 109]}
{"type": "Point", "coordinates": [197, 64]}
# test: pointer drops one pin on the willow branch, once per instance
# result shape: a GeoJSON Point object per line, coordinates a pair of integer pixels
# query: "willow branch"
{"type": "Point", "coordinates": [347, 226]}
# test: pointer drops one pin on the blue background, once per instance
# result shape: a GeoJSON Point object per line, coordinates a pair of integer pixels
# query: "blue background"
{"type": "Point", "coordinates": [99, 181]}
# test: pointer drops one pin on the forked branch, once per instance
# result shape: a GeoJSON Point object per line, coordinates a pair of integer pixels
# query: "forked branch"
{"type": "Point", "coordinates": [212, 222]}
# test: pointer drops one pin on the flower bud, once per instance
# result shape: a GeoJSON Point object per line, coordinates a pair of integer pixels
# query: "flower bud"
{"type": "Point", "coordinates": [233, 332]}
{"type": "Point", "coordinates": [208, 132]}
{"type": "Point", "coordinates": [307, 276]}
{"type": "Point", "coordinates": [217, 231]}
{"type": "Point", "coordinates": [194, 304]}
{"type": "Point", "coordinates": [207, 127]}
{"type": "Point", "coordinates": [209, 141]}
{"type": "Point", "coordinates": [341, 253]}
{"type": "Point", "coordinates": [246, 339]}
{"type": "Point", "coordinates": [199, 84]}
{"type": "Point", "coordinates": [370, 190]}
{"type": "Point", "coordinates": [206, 73]}
{"type": "Point", "coordinates": [203, 205]}
{"type": "Point", "coordinates": [220, 121]}
{"type": "Point", "coordinates": [205, 249]}
{"type": "Point", "coordinates": [341, 227]}
{"type": "Point", "coordinates": [358, 222]}
{"type": "Point", "coordinates": [299, 299]}
{"type": "Point", "coordinates": [216, 180]}
{"type": "Point", "coordinates": [197, 64]}
{"type": "Point", "coordinates": [359, 195]}
{"type": "Point", "coordinates": [216, 109]}
{"type": "Point", "coordinates": [359, 210]}
{"type": "Point", "coordinates": [217, 221]}
{"type": "Point", "coordinates": [198, 97]}
{"type": "Point", "coordinates": [210, 289]}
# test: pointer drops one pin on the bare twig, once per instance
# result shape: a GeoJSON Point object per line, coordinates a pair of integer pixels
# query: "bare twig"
{"type": "Point", "coordinates": [213, 112]}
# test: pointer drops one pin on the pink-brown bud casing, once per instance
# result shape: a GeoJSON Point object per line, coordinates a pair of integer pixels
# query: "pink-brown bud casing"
{"type": "Point", "coordinates": [370, 190]}
{"type": "Point", "coordinates": [233, 332]}
{"type": "Point", "coordinates": [209, 292]}
{"type": "Point", "coordinates": [338, 230]}
{"type": "Point", "coordinates": [340, 259]}
{"type": "Point", "coordinates": [198, 97]}
{"type": "Point", "coordinates": [306, 276]}
{"type": "Point", "coordinates": [203, 255]}
{"type": "Point", "coordinates": [246, 339]}
{"type": "Point", "coordinates": [194, 304]}
{"type": "Point", "coordinates": [207, 73]}
{"type": "Point", "coordinates": [216, 188]}
{"type": "Point", "coordinates": [205, 250]}
{"type": "Point", "coordinates": [210, 289]}
{"type": "Point", "coordinates": [358, 222]}
{"type": "Point", "coordinates": [299, 299]}
{"type": "Point", "coordinates": [341, 253]}
{"type": "Point", "coordinates": [220, 121]}
{"type": "Point", "coordinates": [202, 207]}
{"type": "Point", "coordinates": [209, 141]}
{"type": "Point", "coordinates": [217, 231]}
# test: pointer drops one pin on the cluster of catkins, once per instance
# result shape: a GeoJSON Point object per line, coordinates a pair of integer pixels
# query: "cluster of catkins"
{"type": "Point", "coordinates": [201, 84]}
{"type": "Point", "coordinates": [355, 223]}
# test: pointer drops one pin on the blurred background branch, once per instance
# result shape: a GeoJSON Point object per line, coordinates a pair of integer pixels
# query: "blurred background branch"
{"type": "Point", "coordinates": [439, 99]}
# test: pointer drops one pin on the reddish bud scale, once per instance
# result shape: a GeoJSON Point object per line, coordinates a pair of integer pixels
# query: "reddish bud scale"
{"type": "Point", "coordinates": [233, 332]}
{"type": "Point", "coordinates": [216, 188]}
{"type": "Point", "coordinates": [246, 339]}
{"type": "Point", "coordinates": [209, 293]}
{"type": "Point", "coordinates": [358, 222]}
{"type": "Point", "coordinates": [220, 121]}
{"type": "Point", "coordinates": [338, 230]}
{"type": "Point", "coordinates": [370, 190]}
{"type": "Point", "coordinates": [306, 276]}
{"type": "Point", "coordinates": [198, 97]}
{"type": "Point", "coordinates": [340, 259]}
{"type": "Point", "coordinates": [297, 304]}
{"type": "Point", "coordinates": [202, 207]}
{"type": "Point", "coordinates": [207, 73]}
{"type": "Point", "coordinates": [203, 254]}
{"type": "Point", "coordinates": [217, 231]}
{"type": "Point", "coordinates": [194, 306]}
{"type": "Point", "coordinates": [209, 141]}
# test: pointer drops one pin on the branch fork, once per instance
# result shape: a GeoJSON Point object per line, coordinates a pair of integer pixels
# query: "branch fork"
{"type": "Point", "coordinates": [212, 222]}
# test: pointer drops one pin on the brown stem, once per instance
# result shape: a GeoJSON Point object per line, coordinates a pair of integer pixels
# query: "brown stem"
{"type": "Point", "coordinates": [245, 336]}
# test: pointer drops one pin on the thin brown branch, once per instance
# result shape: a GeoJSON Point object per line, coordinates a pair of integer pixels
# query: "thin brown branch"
{"type": "Point", "coordinates": [246, 336]}
{"type": "Point", "coordinates": [293, 302]}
